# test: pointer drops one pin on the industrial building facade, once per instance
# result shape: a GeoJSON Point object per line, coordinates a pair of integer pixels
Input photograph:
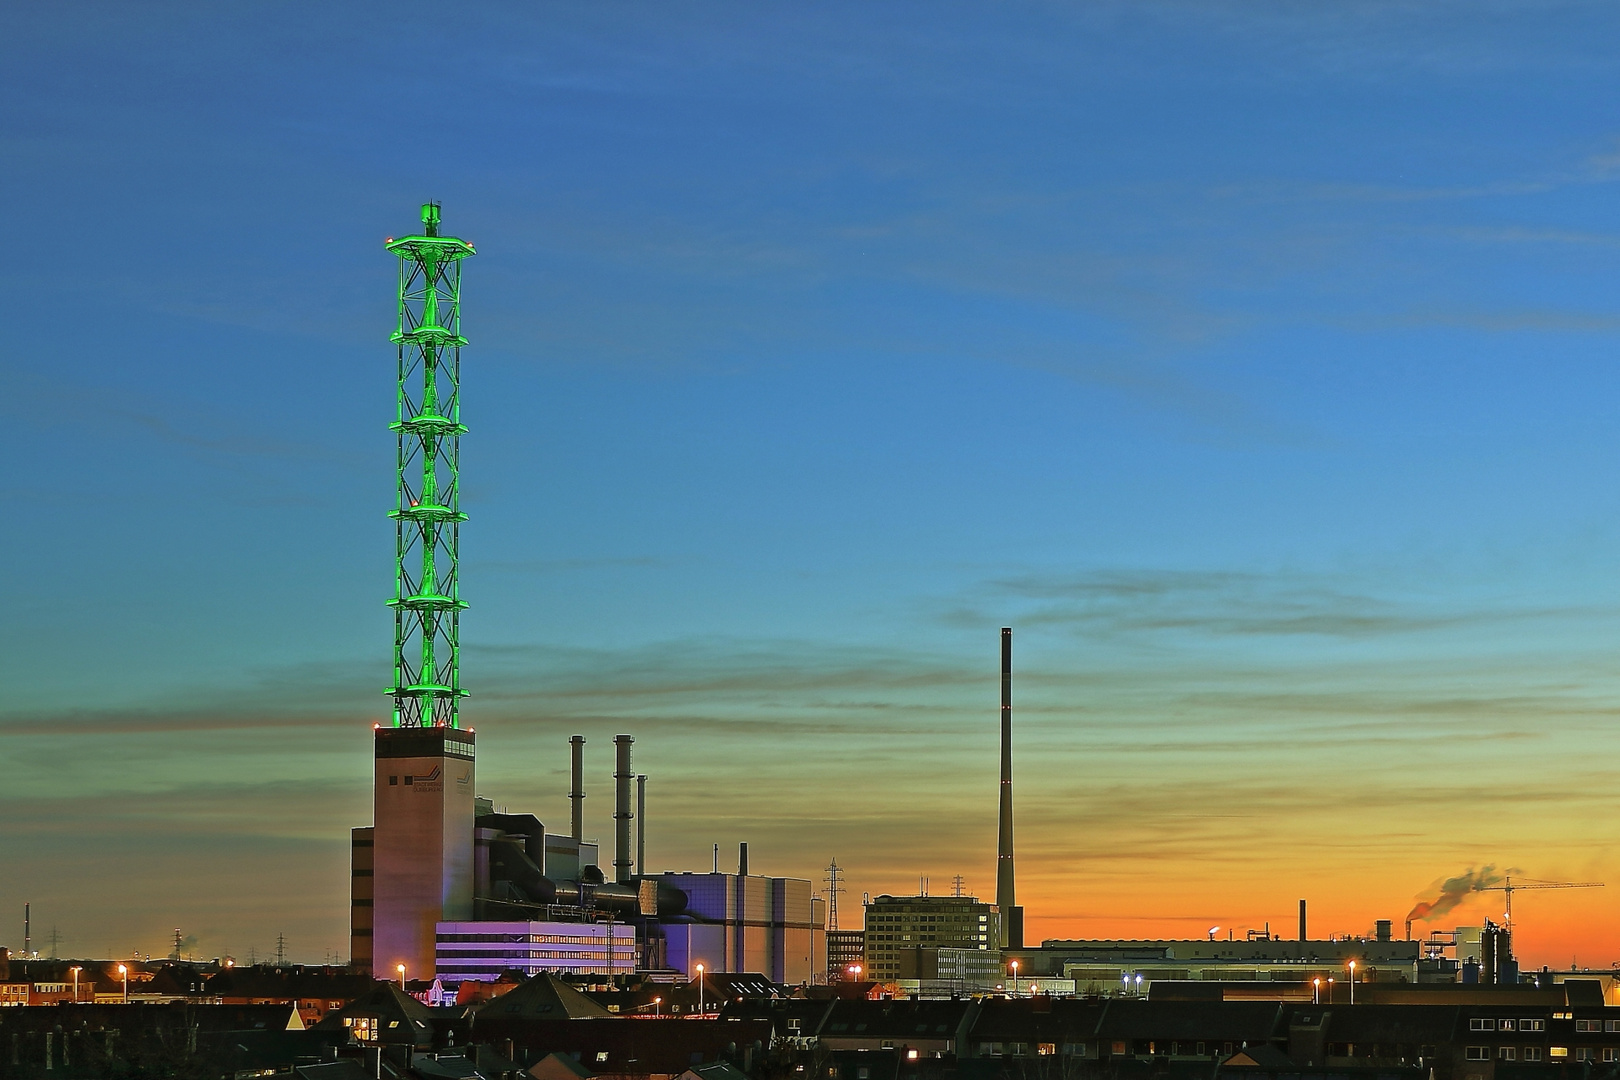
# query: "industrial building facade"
{"type": "Point", "coordinates": [484, 951]}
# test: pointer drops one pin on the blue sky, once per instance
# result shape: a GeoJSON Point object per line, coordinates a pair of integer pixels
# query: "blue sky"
{"type": "Point", "coordinates": [1255, 361]}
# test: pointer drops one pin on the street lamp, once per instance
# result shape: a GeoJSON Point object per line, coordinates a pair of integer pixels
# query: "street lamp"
{"type": "Point", "coordinates": [76, 985]}
{"type": "Point", "coordinates": [1015, 978]}
{"type": "Point", "coordinates": [1316, 991]}
{"type": "Point", "coordinates": [123, 969]}
{"type": "Point", "coordinates": [401, 969]}
{"type": "Point", "coordinates": [1352, 982]}
{"type": "Point", "coordinates": [700, 990]}
{"type": "Point", "coordinates": [1213, 931]}
{"type": "Point", "coordinates": [658, 1006]}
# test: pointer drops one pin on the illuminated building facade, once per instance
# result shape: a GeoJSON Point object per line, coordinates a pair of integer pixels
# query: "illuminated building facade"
{"type": "Point", "coordinates": [483, 950]}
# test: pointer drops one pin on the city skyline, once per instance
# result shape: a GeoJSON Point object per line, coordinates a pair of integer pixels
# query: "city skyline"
{"type": "Point", "coordinates": [1254, 365]}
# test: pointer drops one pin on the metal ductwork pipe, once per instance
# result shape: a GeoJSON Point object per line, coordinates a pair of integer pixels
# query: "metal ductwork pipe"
{"type": "Point", "coordinates": [621, 809]}
{"type": "Point", "coordinates": [577, 796]}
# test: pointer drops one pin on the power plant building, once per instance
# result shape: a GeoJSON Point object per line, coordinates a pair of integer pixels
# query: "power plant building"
{"type": "Point", "coordinates": [747, 923]}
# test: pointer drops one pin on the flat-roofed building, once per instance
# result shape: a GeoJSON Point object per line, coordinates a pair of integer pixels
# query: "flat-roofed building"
{"type": "Point", "coordinates": [898, 926]}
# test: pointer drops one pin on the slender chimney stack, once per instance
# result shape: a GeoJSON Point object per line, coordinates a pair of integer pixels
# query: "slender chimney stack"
{"type": "Point", "coordinates": [28, 933]}
{"type": "Point", "coordinates": [621, 809]}
{"type": "Point", "coordinates": [1012, 916]}
{"type": "Point", "coordinates": [641, 824]}
{"type": "Point", "coordinates": [577, 796]}
{"type": "Point", "coordinates": [742, 860]}
{"type": "Point", "coordinates": [1302, 935]}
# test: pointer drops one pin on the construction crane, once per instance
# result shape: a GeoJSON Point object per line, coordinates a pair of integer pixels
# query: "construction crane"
{"type": "Point", "coordinates": [1508, 888]}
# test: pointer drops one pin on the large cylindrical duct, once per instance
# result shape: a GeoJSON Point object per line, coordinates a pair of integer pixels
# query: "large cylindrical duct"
{"type": "Point", "coordinates": [577, 796]}
{"type": "Point", "coordinates": [621, 808]}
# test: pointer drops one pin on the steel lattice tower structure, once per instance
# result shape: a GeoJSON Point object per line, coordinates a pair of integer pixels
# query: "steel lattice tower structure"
{"type": "Point", "coordinates": [427, 516]}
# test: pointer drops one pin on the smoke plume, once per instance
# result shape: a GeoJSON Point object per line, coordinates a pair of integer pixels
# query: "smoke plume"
{"type": "Point", "coordinates": [1452, 892]}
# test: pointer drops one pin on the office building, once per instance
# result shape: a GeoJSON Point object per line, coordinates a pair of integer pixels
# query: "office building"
{"type": "Point", "coordinates": [898, 926]}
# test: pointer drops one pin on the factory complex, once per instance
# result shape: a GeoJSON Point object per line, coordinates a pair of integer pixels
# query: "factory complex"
{"type": "Point", "coordinates": [484, 945]}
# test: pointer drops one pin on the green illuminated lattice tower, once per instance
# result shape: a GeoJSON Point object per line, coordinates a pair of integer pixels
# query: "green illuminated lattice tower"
{"type": "Point", "coordinates": [427, 590]}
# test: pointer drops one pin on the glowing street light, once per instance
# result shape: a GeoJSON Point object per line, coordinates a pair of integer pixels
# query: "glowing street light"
{"type": "Point", "coordinates": [1015, 978]}
{"type": "Point", "coordinates": [123, 969]}
{"type": "Point", "coordinates": [76, 984]}
{"type": "Point", "coordinates": [1316, 991]}
{"type": "Point", "coordinates": [1352, 982]}
{"type": "Point", "coordinates": [401, 969]}
{"type": "Point", "coordinates": [658, 1006]}
{"type": "Point", "coordinates": [700, 989]}
{"type": "Point", "coordinates": [1213, 931]}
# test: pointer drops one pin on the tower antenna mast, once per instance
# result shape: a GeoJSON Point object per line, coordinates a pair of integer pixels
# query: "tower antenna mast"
{"type": "Point", "coordinates": [427, 515]}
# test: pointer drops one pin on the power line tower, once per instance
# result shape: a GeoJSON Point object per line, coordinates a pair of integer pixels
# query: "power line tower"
{"type": "Point", "coordinates": [174, 954]}
{"type": "Point", "coordinates": [958, 886]}
{"type": "Point", "coordinates": [427, 540]}
{"type": "Point", "coordinates": [281, 949]}
{"type": "Point", "coordinates": [835, 879]}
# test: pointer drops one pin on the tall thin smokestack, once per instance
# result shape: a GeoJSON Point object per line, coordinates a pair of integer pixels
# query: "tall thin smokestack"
{"type": "Point", "coordinates": [742, 859]}
{"type": "Point", "coordinates": [1012, 916]}
{"type": "Point", "coordinates": [28, 932]}
{"type": "Point", "coordinates": [621, 809]}
{"type": "Point", "coordinates": [1302, 935]}
{"type": "Point", "coordinates": [641, 824]}
{"type": "Point", "coordinates": [577, 796]}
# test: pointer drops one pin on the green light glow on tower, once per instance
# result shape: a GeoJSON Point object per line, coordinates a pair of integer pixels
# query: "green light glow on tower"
{"type": "Point", "coordinates": [427, 589]}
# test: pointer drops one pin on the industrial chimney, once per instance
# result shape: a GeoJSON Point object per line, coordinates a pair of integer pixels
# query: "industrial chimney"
{"type": "Point", "coordinates": [1302, 936]}
{"type": "Point", "coordinates": [621, 809]}
{"type": "Point", "coordinates": [742, 859]}
{"type": "Point", "coordinates": [1012, 916]}
{"type": "Point", "coordinates": [577, 796]}
{"type": "Point", "coordinates": [641, 824]}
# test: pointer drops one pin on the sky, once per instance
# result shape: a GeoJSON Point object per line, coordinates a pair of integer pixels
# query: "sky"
{"type": "Point", "coordinates": [1253, 361]}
